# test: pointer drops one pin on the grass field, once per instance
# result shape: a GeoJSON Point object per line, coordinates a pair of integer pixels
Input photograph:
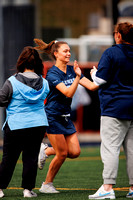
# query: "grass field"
{"type": "Point", "coordinates": [76, 179]}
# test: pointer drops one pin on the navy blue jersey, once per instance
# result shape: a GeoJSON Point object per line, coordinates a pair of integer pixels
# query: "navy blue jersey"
{"type": "Point", "coordinates": [58, 103]}
{"type": "Point", "coordinates": [116, 67]}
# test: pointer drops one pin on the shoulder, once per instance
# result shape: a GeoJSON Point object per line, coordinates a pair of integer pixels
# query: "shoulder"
{"type": "Point", "coordinates": [54, 76]}
{"type": "Point", "coordinates": [110, 52]}
{"type": "Point", "coordinates": [52, 71]}
{"type": "Point", "coordinates": [112, 49]}
{"type": "Point", "coordinates": [8, 84]}
{"type": "Point", "coordinates": [11, 78]}
{"type": "Point", "coordinates": [44, 81]}
{"type": "Point", "coordinates": [7, 88]}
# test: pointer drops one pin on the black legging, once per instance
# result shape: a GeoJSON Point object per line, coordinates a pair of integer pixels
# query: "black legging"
{"type": "Point", "coordinates": [28, 142]}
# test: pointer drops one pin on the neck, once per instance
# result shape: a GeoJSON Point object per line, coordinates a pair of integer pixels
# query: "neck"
{"type": "Point", "coordinates": [29, 70]}
{"type": "Point", "coordinates": [127, 43]}
{"type": "Point", "coordinates": [61, 66]}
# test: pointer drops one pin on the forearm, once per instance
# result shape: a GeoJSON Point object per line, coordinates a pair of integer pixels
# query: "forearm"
{"type": "Point", "coordinates": [85, 82]}
{"type": "Point", "coordinates": [69, 91]}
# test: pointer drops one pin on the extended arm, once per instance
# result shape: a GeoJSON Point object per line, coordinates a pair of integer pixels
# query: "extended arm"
{"type": "Point", "coordinates": [85, 82]}
{"type": "Point", "coordinates": [96, 81]}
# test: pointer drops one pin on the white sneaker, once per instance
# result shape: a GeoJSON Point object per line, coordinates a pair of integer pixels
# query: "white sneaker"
{"type": "Point", "coordinates": [48, 188]}
{"type": "Point", "coordinates": [102, 194]}
{"type": "Point", "coordinates": [42, 156]}
{"type": "Point", "coordinates": [130, 193]}
{"type": "Point", "coordinates": [1, 193]}
{"type": "Point", "coordinates": [28, 193]}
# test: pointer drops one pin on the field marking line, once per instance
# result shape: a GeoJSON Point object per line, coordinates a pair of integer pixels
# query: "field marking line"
{"type": "Point", "coordinates": [117, 189]}
{"type": "Point", "coordinates": [80, 159]}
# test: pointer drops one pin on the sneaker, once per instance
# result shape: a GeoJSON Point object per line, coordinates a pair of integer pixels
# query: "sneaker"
{"type": "Point", "coordinates": [130, 193]}
{"type": "Point", "coordinates": [48, 188]}
{"type": "Point", "coordinates": [102, 194]}
{"type": "Point", "coordinates": [1, 193]}
{"type": "Point", "coordinates": [42, 156]}
{"type": "Point", "coordinates": [28, 193]}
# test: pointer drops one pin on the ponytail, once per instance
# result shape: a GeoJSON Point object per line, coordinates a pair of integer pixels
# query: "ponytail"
{"type": "Point", "coordinates": [50, 48]}
{"type": "Point", "coordinates": [42, 46]}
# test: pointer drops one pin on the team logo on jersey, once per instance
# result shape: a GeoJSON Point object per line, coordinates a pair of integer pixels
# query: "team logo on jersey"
{"type": "Point", "coordinates": [68, 82]}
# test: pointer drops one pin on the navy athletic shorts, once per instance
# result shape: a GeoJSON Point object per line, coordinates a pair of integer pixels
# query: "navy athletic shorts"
{"type": "Point", "coordinates": [60, 125]}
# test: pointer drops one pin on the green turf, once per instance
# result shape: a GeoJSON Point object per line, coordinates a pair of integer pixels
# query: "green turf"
{"type": "Point", "coordinates": [76, 179]}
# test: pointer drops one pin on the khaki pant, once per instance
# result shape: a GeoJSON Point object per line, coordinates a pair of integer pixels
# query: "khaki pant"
{"type": "Point", "coordinates": [115, 133]}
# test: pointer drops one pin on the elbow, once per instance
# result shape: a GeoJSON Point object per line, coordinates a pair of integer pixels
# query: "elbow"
{"type": "Point", "coordinates": [69, 95]}
{"type": "Point", "coordinates": [93, 89]}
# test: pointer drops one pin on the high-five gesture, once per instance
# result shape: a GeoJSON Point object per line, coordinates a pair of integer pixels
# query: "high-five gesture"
{"type": "Point", "coordinates": [76, 68]}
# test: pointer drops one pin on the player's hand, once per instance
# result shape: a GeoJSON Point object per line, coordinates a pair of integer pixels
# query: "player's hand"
{"type": "Point", "coordinates": [94, 69]}
{"type": "Point", "coordinates": [77, 69]}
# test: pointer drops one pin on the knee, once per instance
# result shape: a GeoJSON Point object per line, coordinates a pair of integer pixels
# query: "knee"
{"type": "Point", "coordinates": [74, 154]}
{"type": "Point", "coordinates": [77, 153]}
{"type": "Point", "coordinates": [62, 155]}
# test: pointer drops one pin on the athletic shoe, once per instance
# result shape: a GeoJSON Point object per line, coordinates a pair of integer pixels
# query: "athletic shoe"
{"type": "Point", "coordinates": [28, 193]}
{"type": "Point", "coordinates": [1, 193]}
{"type": "Point", "coordinates": [130, 194]}
{"type": "Point", "coordinates": [42, 156]}
{"type": "Point", "coordinates": [102, 194]}
{"type": "Point", "coordinates": [48, 188]}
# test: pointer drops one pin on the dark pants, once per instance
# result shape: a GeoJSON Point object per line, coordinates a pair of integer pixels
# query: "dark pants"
{"type": "Point", "coordinates": [28, 142]}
